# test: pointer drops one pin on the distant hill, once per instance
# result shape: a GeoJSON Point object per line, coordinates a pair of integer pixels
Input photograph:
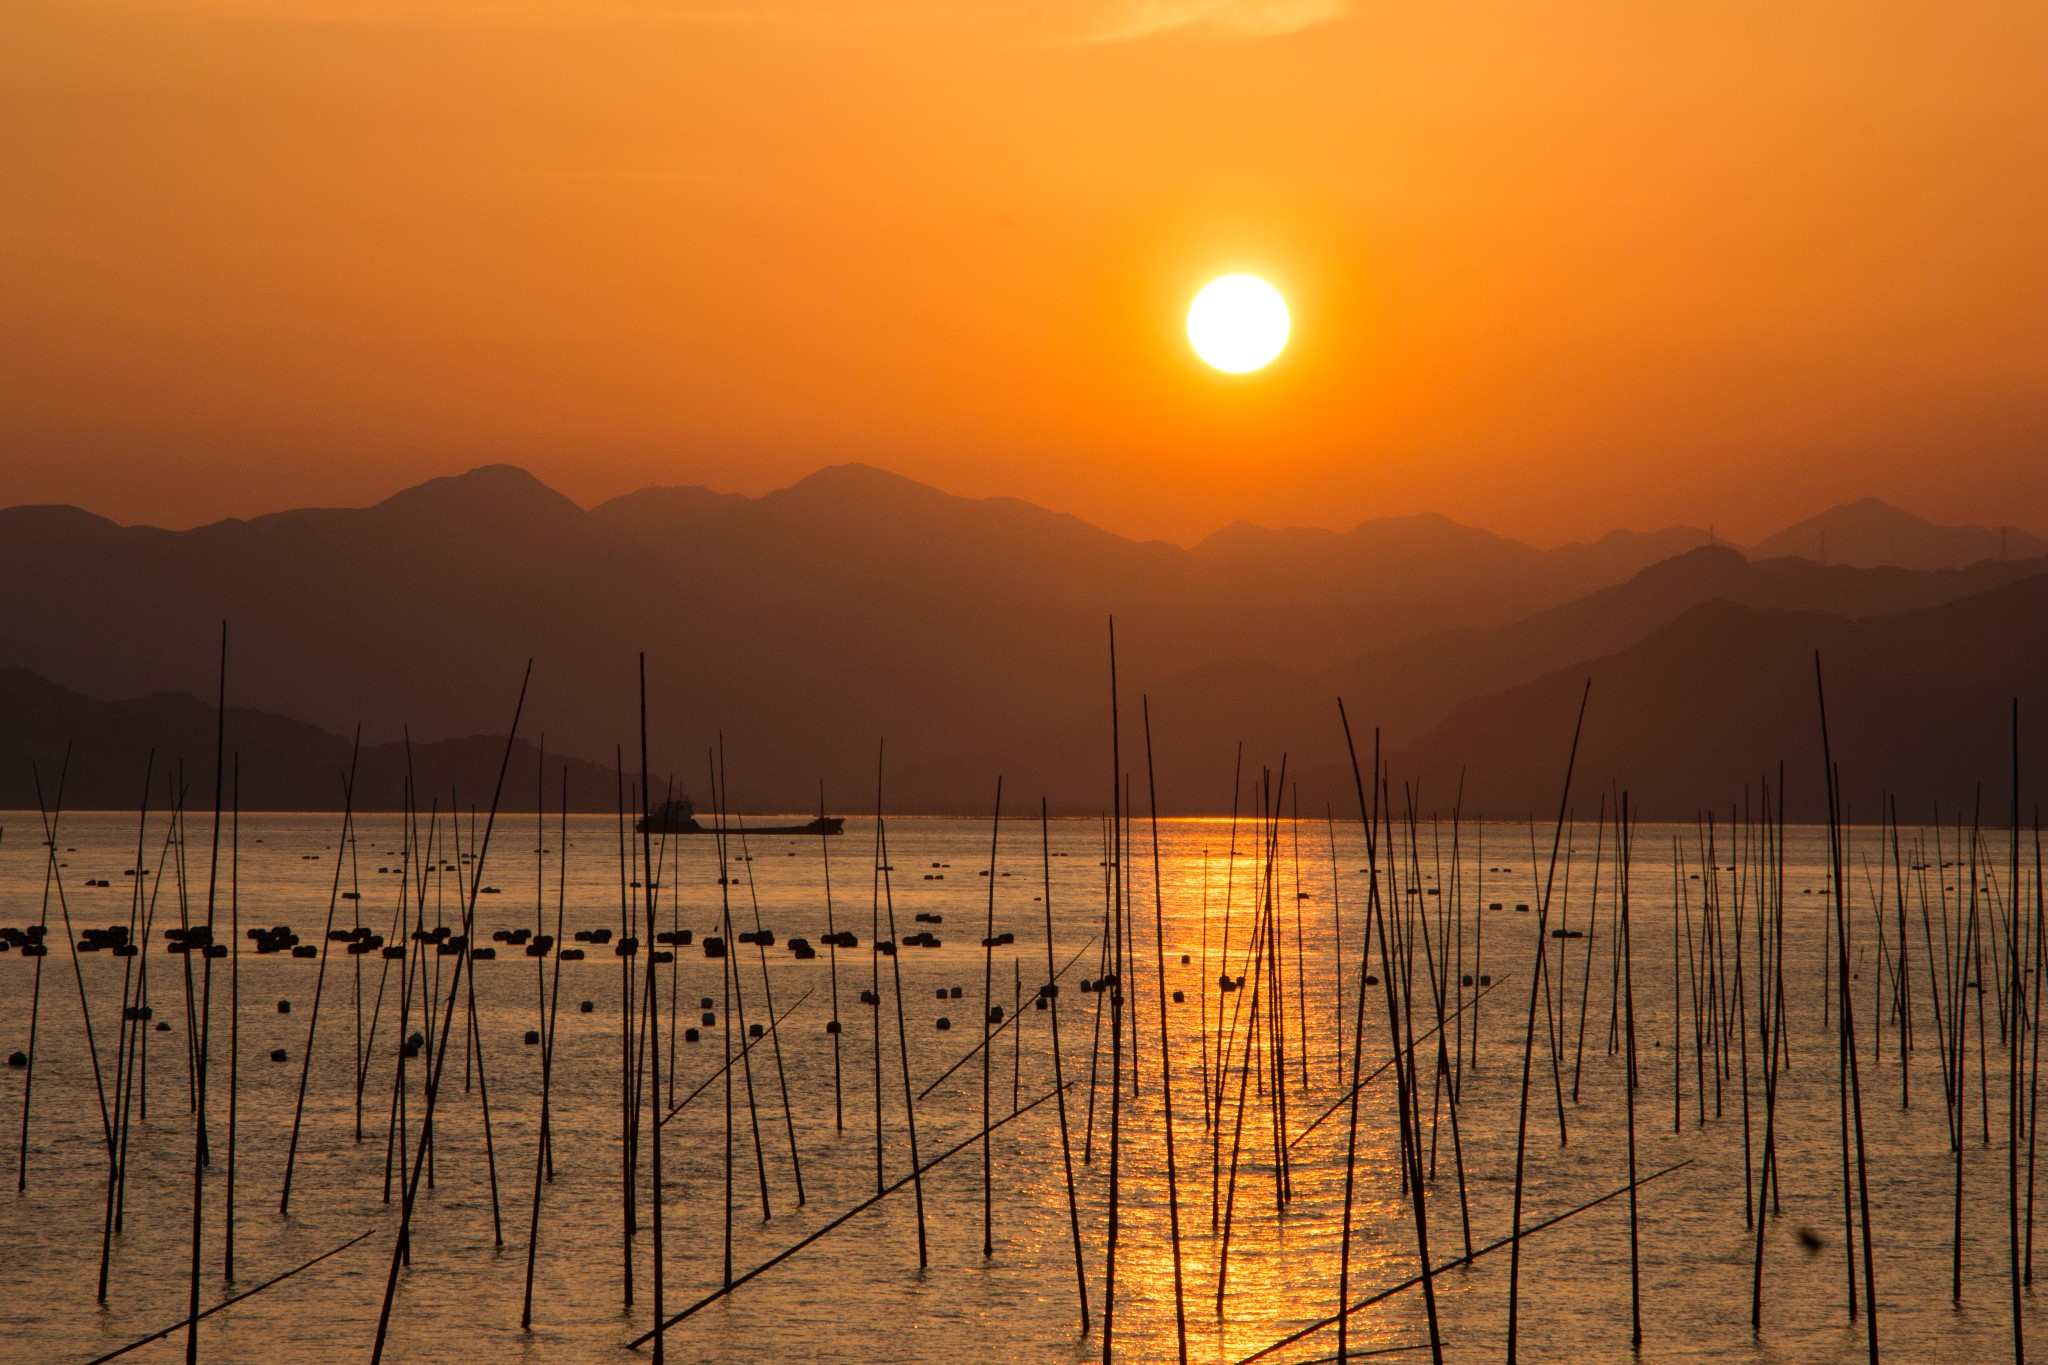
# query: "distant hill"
{"type": "Point", "coordinates": [802, 628]}
{"type": "Point", "coordinates": [284, 764]}
{"type": "Point", "coordinates": [1870, 533]}
{"type": "Point", "coordinates": [1919, 706]}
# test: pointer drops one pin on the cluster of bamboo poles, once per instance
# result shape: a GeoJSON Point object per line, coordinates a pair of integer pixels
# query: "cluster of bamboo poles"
{"type": "Point", "coordinates": [1259, 1066]}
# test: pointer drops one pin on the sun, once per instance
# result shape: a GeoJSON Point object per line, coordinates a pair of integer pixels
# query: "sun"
{"type": "Point", "coordinates": [1238, 323]}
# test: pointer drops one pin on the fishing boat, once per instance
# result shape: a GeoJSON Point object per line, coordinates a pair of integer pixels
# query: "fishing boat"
{"type": "Point", "coordinates": [679, 816]}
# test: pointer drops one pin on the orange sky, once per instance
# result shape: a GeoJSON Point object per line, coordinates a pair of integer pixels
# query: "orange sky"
{"type": "Point", "coordinates": [1554, 267]}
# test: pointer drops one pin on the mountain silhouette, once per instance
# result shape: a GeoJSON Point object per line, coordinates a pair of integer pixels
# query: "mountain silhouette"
{"type": "Point", "coordinates": [1871, 533]}
{"type": "Point", "coordinates": [799, 629]}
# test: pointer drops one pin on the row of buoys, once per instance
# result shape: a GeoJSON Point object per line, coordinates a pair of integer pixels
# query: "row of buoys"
{"type": "Point", "coordinates": [1485, 979]}
{"type": "Point", "coordinates": [593, 936]}
{"type": "Point", "coordinates": [924, 939]}
{"type": "Point", "coordinates": [679, 938]}
{"type": "Point", "coordinates": [29, 940]}
{"type": "Point", "coordinates": [113, 938]}
{"type": "Point", "coordinates": [843, 939]}
{"type": "Point", "coordinates": [998, 940]}
{"type": "Point", "coordinates": [952, 992]}
{"type": "Point", "coordinates": [927, 917]}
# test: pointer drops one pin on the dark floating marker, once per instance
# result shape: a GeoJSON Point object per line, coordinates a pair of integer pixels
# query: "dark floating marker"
{"type": "Point", "coordinates": [586, 1007]}
{"type": "Point", "coordinates": [532, 1038]}
{"type": "Point", "coordinates": [832, 1026]}
{"type": "Point", "coordinates": [870, 998]}
{"type": "Point", "coordinates": [1371, 980]}
{"type": "Point", "coordinates": [277, 1054]}
{"type": "Point", "coordinates": [17, 1059]}
{"type": "Point", "coordinates": [664, 955]}
{"type": "Point", "coordinates": [704, 1002]}
{"type": "Point", "coordinates": [1184, 959]}
{"type": "Point", "coordinates": [708, 1019]}
{"type": "Point", "coordinates": [570, 955]}
{"type": "Point", "coordinates": [163, 1027]}
{"type": "Point", "coordinates": [714, 946]}
{"type": "Point", "coordinates": [302, 950]}
{"type": "Point", "coordinates": [284, 1007]}
{"type": "Point", "coordinates": [944, 1023]}
{"type": "Point", "coordinates": [956, 992]}
{"type": "Point", "coordinates": [1180, 997]}
{"type": "Point", "coordinates": [995, 1014]}
{"type": "Point", "coordinates": [753, 1030]}
{"type": "Point", "coordinates": [1485, 980]}
{"type": "Point", "coordinates": [1811, 1240]}
{"type": "Point", "coordinates": [690, 1035]}
{"type": "Point", "coordinates": [1465, 980]}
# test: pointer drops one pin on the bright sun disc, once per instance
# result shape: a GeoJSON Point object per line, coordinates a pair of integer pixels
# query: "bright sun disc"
{"type": "Point", "coordinates": [1238, 323]}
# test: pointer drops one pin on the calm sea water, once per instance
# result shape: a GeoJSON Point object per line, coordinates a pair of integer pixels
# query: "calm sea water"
{"type": "Point", "coordinates": [857, 1294]}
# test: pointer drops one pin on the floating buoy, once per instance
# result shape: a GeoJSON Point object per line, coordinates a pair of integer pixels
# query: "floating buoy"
{"type": "Point", "coordinates": [284, 1007]}
{"type": "Point", "coordinates": [1180, 997]}
{"type": "Point", "coordinates": [532, 1037]}
{"type": "Point", "coordinates": [690, 1035]}
{"type": "Point", "coordinates": [956, 992]}
{"type": "Point", "coordinates": [277, 1054]}
{"type": "Point", "coordinates": [832, 1026]}
{"type": "Point", "coordinates": [17, 1059]}
{"type": "Point", "coordinates": [1486, 980]}
{"type": "Point", "coordinates": [1466, 980]}
{"type": "Point", "coordinates": [942, 993]}
{"type": "Point", "coordinates": [163, 1027]}
{"type": "Point", "coordinates": [753, 1030]}
{"type": "Point", "coordinates": [1372, 980]}
{"type": "Point", "coordinates": [870, 998]}
{"type": "Point", "coordinates": [709, 1019]}
{"type": "Point", "coordinates": [944, 1023]}
{"type": "Point", "coordinates": [1184, 959]}
{"type": "Point", "coordinates": [704, 1002]}
{"type": "Point", "coordinates": [1041, 1003]}
{"type": "Point", "coordinates": [995, 1014]}
{"type": "Point", "coordinates": [586, 1007]}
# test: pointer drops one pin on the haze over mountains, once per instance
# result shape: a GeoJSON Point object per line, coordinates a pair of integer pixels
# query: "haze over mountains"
{"type": "Point", "coordinates": [809, 624]}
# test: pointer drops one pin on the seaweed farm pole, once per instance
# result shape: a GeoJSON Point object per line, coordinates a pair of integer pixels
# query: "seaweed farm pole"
{"type": "Point", "coordinates": [832, 943]}
{"type": "Point", "coordinates": [35, 997]}
{"type": "Point", "coordinates": [796, 1164]}
{"type": "Point", "coordinates": [124, 1056]}
{"type": "Point", "coordinates": [628, 1174]}
{"type": "Point", "coordinates": [348, 789]}
{"type": "Point", "coordinates": [1116, 1014]}
{"type": "Point", "coordinates": [736, 999]}
{"type": "Point", "coordinates": [653, 1036]}
{"type": "Point", "coordinates": [875, 961]}
{"type": "Point", "coordinates": [902, 1037]}
{"type": "Point", "coordinates": [2014, 1051]}
{"type": "Point", "coordinates": [1624, 839]}
{"type": "Point", "coordinates": [1051, 992]}
{"type": "Point", "coordinates": [1848, 1026]}
{"type": "Point", "coordinates": [2034, 1061]}
{"type": "Point", "coordinates": [1529, 1037]}
{"type": "Point", "coordinates": [988, 962]}
{"type": "Point", "coordinates": [1357, 1044]}
{"type": "Point", "coordinates": [199, 1150]}
{"type": "Point", "coordinates": [235, 1014]}
{"type": "Point", "coordinates": [400, 1246]}
{"type": "Point", "coordinates": [1214, 1102]}
{"type": "Point", "coordinates": [547, 1059]}
{"type": "Point", "coordinates": [1180, 1311]}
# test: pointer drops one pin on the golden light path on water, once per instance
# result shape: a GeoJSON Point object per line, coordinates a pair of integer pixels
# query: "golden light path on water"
{"type": "Point", "coordinates": [857, 1294]}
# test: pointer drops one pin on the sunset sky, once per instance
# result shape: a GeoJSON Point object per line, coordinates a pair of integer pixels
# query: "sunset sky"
{"type": "Point", "coordinates": [1553, 268]}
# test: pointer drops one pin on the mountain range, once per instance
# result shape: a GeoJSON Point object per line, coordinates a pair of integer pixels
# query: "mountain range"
{"type": "Point", "coordinates": [803, 628]}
